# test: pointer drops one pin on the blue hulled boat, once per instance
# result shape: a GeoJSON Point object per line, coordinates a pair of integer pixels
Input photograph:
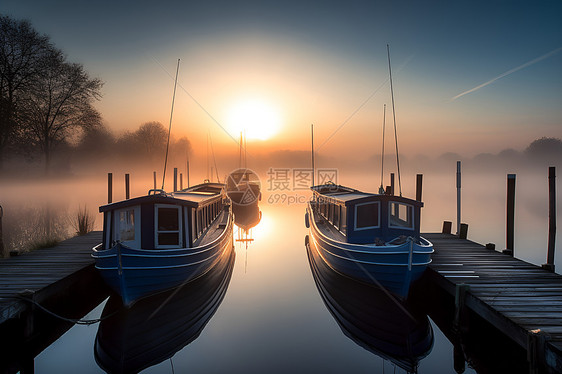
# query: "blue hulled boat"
{"type": "Point", "coordinates": [162, 240]}
{"type": "Point", "coordinates": [374, 238]}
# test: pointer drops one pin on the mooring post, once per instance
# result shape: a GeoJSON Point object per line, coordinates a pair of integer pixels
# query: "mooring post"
{"type": "Point", "coordinates": [154, 177]}
{"type": "Point", "coordinates": [458, 197]}
{"type": "Point", "coordinates": [551, 219]}
{"type": "Point", "coordinates": [181, 181]}
{"type": "Point", "coordinates": [419, 181]}
{"type": "Point", "coordinates": [392, 184]}
{"type": "Point", "coordinates": [187, 172]}
{"type": "Point", "coordinates": [109, 188]}
{"type": "Point", "coordinates": [510, 215]}
{"type": "Point", "coordinates": [447, 227]}
{"type": "Point", "coordinates": [463, 233]}
{"type": "Point", "coordinates": [175, 179]}
{"type": "Point", "coordinates": [127, 187]}
{"type": "Point", "coordinates": [460, 322]}
{"type": "Point", "coordinates": [1, 237]}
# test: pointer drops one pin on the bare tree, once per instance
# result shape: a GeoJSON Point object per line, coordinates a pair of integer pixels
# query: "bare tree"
{"type": "Point", "coordinates": [151, 138]}
{"type": "Point", "coordinates": [58, 104]}
{"type": "Point", "coordinates": [22, 50]}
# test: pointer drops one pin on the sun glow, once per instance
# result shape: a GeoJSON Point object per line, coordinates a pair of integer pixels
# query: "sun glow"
{"type": "Point", "coordinates": [256, 118]}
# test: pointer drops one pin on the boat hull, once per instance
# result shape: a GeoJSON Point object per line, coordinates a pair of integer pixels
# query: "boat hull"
{"type": "Point", "coordinates": [137, 273]}
{"type": "Point", "coordinates": [391, 267]}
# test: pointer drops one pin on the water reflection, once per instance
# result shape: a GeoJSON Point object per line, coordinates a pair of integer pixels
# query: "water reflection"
{"type": "Point", "coordinates": [367, 315]}
{"type": "Point", "coordinates": [155, 328]}
{"type": "Point", "coordinates": [246, 217]}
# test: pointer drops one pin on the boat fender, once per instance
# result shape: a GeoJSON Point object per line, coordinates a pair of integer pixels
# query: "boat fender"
{"type": "Point", "coordinates": [306, 241]}
{"type": "Point", "coordinates": [306, 222]}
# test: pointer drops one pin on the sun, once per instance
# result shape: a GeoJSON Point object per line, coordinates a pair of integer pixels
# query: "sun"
{"type": "Point", "coordinates": [256, 118]}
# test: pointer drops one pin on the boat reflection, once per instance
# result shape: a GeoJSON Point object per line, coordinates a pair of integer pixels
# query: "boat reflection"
{"type": "Point", "coordinates": [246, 217]}
{"type": "Point", "coordinates": [155, 328]}
{"type": "Point", "coordinates": [372, 318]}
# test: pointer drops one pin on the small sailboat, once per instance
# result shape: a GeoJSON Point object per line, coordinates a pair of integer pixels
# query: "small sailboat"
{"type": "Point", "coordinates": [374, 238]}
{"type": "Point", "coordinates": [162, 240]}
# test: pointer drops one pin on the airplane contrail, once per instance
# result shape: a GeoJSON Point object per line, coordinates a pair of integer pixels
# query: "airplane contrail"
{"type": "Point", "coordinates": [529, 63]}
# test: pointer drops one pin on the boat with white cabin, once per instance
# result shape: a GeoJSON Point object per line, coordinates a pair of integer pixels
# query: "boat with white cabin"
{"type": "Point", "coordinates": [162, 240]}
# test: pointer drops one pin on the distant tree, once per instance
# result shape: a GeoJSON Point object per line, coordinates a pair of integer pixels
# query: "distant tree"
{"type": "Point", "coordinates": [57, 104]}
{"type": "Point", "coordinates": [22, 53]}
{"type": "Point", "coordinates": [545, 149]}
{"type": "Point", "coordinates": [151, 138]}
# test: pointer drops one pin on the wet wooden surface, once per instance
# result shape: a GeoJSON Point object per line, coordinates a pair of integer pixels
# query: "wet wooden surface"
{"type": "Point", "coordinates": [43, 272]}
{"type": "Point", "coordinates": [522, 300]}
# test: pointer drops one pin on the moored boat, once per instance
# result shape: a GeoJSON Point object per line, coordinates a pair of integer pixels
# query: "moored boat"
{"type": "Point", "coordinates": [162, 240]}
{"type": "Point", "coordinates": [374, 238]}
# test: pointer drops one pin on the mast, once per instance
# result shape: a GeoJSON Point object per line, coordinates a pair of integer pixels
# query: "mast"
{"type": "Point", "coordinates": [170, 126]}
{"type": "Point", "coordinates": [381, 188]}
{"type": "Point", "coordinates": [312, 140]}
{"type": "Point", "coordinates": [394, 117]}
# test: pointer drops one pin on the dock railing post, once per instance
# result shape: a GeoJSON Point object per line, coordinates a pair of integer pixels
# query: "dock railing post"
{"type": "Point", "coordinates": [419, 182]}
{"type": "Point", "coordinates": [2, 254]}
{"type": "Point", "coordinates": [109, 188]}
{"type": "Point", "coordinates": [458, 197]}
{"type": "Point", "coordinates": [510, 215]}
{"type": "Point", "coordinates": [127, 190]}
{"type": "Point", "coordinates": [551, 219]}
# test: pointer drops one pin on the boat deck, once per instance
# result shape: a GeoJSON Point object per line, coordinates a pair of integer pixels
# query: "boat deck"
{"type": "Point", "coordinates": [214, 230]}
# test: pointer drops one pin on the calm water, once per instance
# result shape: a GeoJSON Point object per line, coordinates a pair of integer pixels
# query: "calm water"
{"type": "Point", "coordinates": [273, 318]}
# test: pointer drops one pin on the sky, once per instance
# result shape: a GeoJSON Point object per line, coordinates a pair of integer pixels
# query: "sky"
{"type": "Point", "coordinates": [468, 76]}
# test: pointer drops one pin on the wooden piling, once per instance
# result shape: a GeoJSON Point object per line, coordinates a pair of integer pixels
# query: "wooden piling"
{"type": "Point", "coordinates": [510, 215]}
{"type": "Point", "coordinates": [463, 233]}
{"type": "Point", "coordinates": [127, 194]}
{"type": "Point", "coordinates": [181, 181]}
{"type": "Point", "coordinates": [447, 227]}
{"type": "Point", "coordinates": [109, 188]}
{"type": "Point", "coordinates": [392, 184]}
{"type": "Point", "coordinates": [419, 182]}
{"type": "Point", "coordinates": [187, 172]}
{"type": "Point", "coordinates": [458, 197]}
{"type": "Point", "coordinates": [551, 219]}
{"type": "Point", "coordinates": [154, 177]}
{"type": "Point", "coordinates": [2, 254]}
{"type": "Point", "coordinates": [175, 179]}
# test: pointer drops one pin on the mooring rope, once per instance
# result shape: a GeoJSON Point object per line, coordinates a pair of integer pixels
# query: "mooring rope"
{"type": "Point", "coordinates": [71, 320]}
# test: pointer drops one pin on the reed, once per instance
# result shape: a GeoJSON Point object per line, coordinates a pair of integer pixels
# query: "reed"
{"type": "Point", "coordinates": [83, 221]}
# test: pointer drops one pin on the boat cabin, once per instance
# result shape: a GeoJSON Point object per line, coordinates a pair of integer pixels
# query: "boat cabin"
{"type": "Point", "coordinates": [160, 221]}
{"type": "Point", "coordinates": [364, 218]}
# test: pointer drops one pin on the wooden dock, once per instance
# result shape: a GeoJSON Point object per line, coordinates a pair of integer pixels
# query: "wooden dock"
{"type": "Point", "coordinates": [523, 301]}
{"type": "Point", "coordinates": [44, 273]}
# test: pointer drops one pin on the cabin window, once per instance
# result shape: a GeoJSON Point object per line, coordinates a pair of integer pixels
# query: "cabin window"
{"type": "Point", "coordinates": [168, 226]}
{"type": "Point", "coordinates": [336, 221]}
{"type": "Point", "coordinates": [127, 226]}
{"type": "Point", "coordinates": [367, 216]}
{"type": "Point", "coordinates": [401, 215]}
{"type": "Point", "coordinates": [343, 219]}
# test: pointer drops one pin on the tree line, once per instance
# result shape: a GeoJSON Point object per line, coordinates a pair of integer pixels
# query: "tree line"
{"type": "Point", "coordinates": [47, 109]}
{"type": "Point", "coordinates": [45, 99]}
